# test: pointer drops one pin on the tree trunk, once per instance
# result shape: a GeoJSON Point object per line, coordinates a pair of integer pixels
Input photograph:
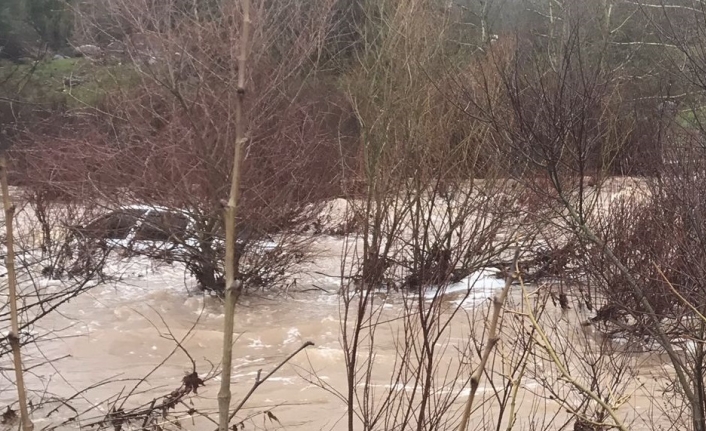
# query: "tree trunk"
{"type": "Point", "coordinates": [14, 335]}
{"type": "Point", "coordinates": [232, 291]}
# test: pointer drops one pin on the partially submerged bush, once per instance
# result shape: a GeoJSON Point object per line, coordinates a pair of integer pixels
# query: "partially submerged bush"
{"type": "Point", "coordinates": [165, 137]}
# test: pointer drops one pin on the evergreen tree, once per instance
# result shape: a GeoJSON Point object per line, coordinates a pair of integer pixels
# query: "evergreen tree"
{"type": "Point", "coordinates": [33, 24]}
{"type": "Point", "coordinates": [51, 20]}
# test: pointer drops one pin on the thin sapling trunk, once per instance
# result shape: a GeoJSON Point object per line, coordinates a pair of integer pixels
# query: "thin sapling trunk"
{"type": "Point", "coordinates": [231, 289]}
{"type": "Point", "coordinates": [14, 335]}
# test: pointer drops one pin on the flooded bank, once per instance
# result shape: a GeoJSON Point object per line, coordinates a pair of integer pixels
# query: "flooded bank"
{"type": "Point", "coordinates": [106, 340]}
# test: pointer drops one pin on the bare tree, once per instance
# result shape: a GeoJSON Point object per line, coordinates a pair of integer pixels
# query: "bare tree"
{"type": "Point", "coordinates": [563, 122]}
{"type": "Point", "coordinates": [429, 224]}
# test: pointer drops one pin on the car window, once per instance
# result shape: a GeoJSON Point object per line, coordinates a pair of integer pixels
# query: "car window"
{"type": "Point", "coordinates": [162, 226]}
{"type": "Point", "coordinates": [114, 225]}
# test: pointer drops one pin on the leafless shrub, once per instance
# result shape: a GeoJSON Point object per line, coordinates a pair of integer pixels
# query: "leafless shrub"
{"type": "Point", "coordinates": [563, 118]}
{"type": "Point", "coordinates": [40, 292]}
{"type": "Point", "coordinates": [429, 225]}
{"type": "Point", "coordinates": [162, 127]}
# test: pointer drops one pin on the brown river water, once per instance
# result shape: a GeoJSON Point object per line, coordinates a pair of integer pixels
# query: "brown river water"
{"type": "Point", "coordinates": [120, 333]}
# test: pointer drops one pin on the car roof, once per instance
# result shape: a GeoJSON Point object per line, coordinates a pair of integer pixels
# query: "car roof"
{"type": "Point", "coordinates": [147, 209]}
{"type": "Point", "coordinates": [150, 208]}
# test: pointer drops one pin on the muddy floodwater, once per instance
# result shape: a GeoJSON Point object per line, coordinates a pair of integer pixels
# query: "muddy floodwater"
{"type": "Point", "coordinates": [122, 332]}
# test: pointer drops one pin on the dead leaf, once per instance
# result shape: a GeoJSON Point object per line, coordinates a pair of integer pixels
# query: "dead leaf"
{"type": "Point", "coordinates": [192, 381]}
{"type": "Point", "coordinates": [170, 401]}
{"type": "Point", "coordinates": [116, 418]}
{"type": "Point", "coordinates": [272, 417]}
{"type": "Point", "coordinates": [9, 416]}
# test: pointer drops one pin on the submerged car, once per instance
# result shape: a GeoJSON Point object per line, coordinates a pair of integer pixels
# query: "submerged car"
{"type": "Point", "coordinates": [139, 227]}
{"type": "Point", "coordinates": [173, 235]}
{"type": "Point", "coordinates": [155, 231]}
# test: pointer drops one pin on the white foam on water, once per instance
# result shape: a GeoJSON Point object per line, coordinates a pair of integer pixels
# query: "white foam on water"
{"type": "Point", "coordinates": [682, 344]}
{"type": "Point", "coordinates": [256, 343]}
{"type": "Point", "coordinates": [466, 392]}
{"type": "Point", "coordinates": [327, 353]}
{"type": "Point", "coordinates": [293, 336]}
{"type": "Point", "coordinates": [284, 380]}
{"type": "Point", "coordinates": [398, 387]}
{"type": "Point", "coordinates": [478, 287]}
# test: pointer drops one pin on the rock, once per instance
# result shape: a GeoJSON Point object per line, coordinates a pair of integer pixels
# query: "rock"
{"type": "Point", "coordinates": [89, 50]}
{"type": "Point", "coordinates": [58, 57]}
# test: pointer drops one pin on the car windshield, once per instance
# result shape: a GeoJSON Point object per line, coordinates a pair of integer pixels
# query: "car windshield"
{"type": "Point", "coordinates": [163, 226]}
{"type": "Point", "coordinates": [114, 225]}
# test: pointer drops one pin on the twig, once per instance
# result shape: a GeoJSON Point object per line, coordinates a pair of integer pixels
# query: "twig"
{"type": "Point", "coordinates": [259, 381]}
{"type": "Point", "coordinates": [191, 410]}
{"type": "Point", "coordinates": [498, 302]}
{"type": "Point", "coordinates": [147, 416]}
{"type": "Point", "coordinates": [178, 346]}
{"type": "Point", "coordinates": [546, 345]}
{"type": "Point", "coordinates": [679, 295]}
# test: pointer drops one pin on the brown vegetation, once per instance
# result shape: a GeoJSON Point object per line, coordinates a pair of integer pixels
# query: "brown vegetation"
{"type": "Point", "coordinates": [456, 139]}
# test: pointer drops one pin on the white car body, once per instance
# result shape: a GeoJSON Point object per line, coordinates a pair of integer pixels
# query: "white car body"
{"type": "Point", "coordinates": [132, 241]}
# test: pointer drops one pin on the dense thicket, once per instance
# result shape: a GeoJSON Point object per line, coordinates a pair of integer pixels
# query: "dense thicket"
{"type": "Point", "coordinates": [617, 37]}
{"type": "Point", "coordinates": [399, 106]}
{"type": "Point", "coordinates": [344, 91]}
